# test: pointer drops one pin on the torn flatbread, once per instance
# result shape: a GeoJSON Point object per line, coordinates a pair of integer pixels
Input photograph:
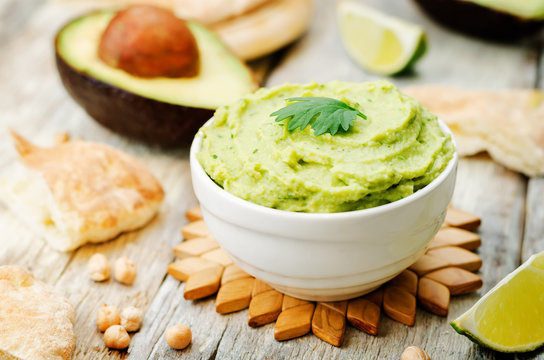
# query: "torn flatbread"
{"type": "Point", "coordinates": [508, 124]}
{"type": "Point", "coordinates": [79, 192]}
{"type": "Point", "coordinates": [212, 11]}
{"type": "Point", "coordinates": [35, 321]}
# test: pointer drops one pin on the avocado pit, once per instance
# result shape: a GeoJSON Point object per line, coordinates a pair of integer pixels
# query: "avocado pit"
{"type": "Point", "coordinates": [158, 110]}
{"type": "Point", "coordinates": [148, 41]}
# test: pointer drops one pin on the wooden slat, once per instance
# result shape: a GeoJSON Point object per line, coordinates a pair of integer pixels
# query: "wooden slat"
{"type": "Point", "coordinates": [533, 240]}
{"type": "Point", "coordinates": [364, 315]}
{"type": "Point", "coordinates": [450, 236]}
{"type": "Point", "coordinates": [457, 256]}
{"type": "Point", "coordinates": [33, 102]}
{"type": "Point", "coordinates": [38, 108]}
{"type": "Point", "coordinates": [14, 16]}
{"type": "Point", "coordinates": [433, 296]}
{"type": "Point", "coordinates": [459, 281]}
{"type": "Point", "coordinates": [169, 309]}
{"type": "Point", "coordinates": [451, 58]}
{"type": "Point", "coordinates": [407, 280]}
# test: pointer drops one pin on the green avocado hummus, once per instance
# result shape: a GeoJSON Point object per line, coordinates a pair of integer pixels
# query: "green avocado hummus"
{"type": "Point", "coordinates": [396, 151]}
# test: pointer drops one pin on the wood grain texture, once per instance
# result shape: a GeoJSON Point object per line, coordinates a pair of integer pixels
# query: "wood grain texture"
{"type": "Point", "coordinates": [33, 102]}
{"type": "Point", "coordinates": [451, 58]}
{"type": "Point", "coordinates": [14, 15]}
{"type": "Point", "coordinates": [533, 239]}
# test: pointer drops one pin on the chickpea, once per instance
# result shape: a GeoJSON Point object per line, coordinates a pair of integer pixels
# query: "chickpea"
{"type": "Point", "coordinates": [124, 270]}
{"type": "Point", "coordinates": [108, 315]}
{"type": "Point", "coordinates": [178, 336]}
{"type": "Point", "coordinates": [98, 267]}
{"type": "Point", "coordinates": [131, 318]}
{"type": "Point", "coordinates": [415, 353]}
{"type": "Point", "coordinates": [116, 337]}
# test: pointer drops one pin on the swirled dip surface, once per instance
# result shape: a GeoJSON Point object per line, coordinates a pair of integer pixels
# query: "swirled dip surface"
{"type": "Point", "coordinates": [396, 151]}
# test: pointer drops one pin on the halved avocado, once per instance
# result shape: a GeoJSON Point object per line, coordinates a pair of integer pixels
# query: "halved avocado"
{"type": "Point", "coordinates": [492, 19]}
{"type": "Point", "coordinates": [161, 110]}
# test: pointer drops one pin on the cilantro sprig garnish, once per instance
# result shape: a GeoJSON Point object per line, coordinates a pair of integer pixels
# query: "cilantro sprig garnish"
{"type": "Point", "coordinates": [322, 113]}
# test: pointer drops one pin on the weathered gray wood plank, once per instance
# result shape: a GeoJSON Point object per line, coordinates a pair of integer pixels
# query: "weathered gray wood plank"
{"type": "Point", "coordinates": [451, 59]}
{"type": "Point", "coordinates": [533, 241]}
{"type": "Point", "coordinates": [33, 102]}
{"type": "Point", "coordinates": [20, 81]}
{"type": "Point", "coordinates": [14, 15]}
{"type": "Point", "coordinates": [483, 187]}
{"type": "Point", "coordinates": [150, 248]}
{"type": "Point", "coordinates": [170, 308]}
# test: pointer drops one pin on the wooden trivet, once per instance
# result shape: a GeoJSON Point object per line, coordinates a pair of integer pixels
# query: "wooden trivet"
{"type": "Point", "coordinates": [446, 269]}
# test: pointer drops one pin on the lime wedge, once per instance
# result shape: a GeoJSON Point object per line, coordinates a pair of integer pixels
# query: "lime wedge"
{"type": "Point", "coordinates": [510, 317]}
{"type": "Point", "coordinates": [378, 42]}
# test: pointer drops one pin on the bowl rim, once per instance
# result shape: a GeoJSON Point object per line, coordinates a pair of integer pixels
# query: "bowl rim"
{"type": "Point", "coordinates": [303, 216]}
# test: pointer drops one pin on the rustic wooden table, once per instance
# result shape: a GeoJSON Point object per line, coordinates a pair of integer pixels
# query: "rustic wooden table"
{"type": "Point", "coordinates": [34, 103]}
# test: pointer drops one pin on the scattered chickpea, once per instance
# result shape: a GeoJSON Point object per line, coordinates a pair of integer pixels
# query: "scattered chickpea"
{"type": "Point", "coordinates": [131, 318]}
{"type": "Point", "coordinates": [108, 315]}
{"type": "Point", "coordinates": [116, 337]}
{"type": "Point", "coordinates": [98, 267]}
{"type": "Point", "coordinates": [178, 336]}
{"type": "Point", "coordinates": [415, 353]}
{"type": "Point", "coordinates": [124, 270]}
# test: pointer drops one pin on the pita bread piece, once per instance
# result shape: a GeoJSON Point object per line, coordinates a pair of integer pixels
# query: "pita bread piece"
{"type": "Point", "coordinates": [79, 192]}
{"type": "Point", "coordinates": [250, 28]}
{"type": "Point", "coordinates": [35, 321]}
{"type": "Point", "coordinates": [212, 11]}
{"type": "Point", "coordinates": [508, 124]}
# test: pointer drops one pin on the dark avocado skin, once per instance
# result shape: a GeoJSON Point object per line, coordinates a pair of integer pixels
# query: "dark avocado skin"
{"type": "Point", "coordinates": [141, 118]}
{"type": "Point", "coordinates": [473, 19]}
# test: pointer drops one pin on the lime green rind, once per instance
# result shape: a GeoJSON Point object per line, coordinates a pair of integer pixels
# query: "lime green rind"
{"type": "Point", "coordinates": [411, 36]}
{"type": "Point", "coordinates": [468, 334]}
{"type": "Point", "coordinates": [536, 261]}
{"type": "Point", "coordinates": [517, 349]}
{"type": "Point", "coordinates": [421, 49]}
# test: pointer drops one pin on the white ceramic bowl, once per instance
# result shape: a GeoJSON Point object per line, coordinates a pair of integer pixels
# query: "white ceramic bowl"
{"type": "Point", "coordinates": [324, 257]}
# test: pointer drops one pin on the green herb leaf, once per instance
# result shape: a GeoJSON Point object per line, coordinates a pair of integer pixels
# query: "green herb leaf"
{"type": "Point", "coordinates": [322, 113]}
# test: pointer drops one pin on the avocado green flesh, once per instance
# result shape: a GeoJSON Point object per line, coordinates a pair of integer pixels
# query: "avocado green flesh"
{"type": "Point", "coordinates": [529, 9]}
{"type": "Point", "coordinates": [222, 77]}
{"type": "Point", "coordinates": [396, 151]}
